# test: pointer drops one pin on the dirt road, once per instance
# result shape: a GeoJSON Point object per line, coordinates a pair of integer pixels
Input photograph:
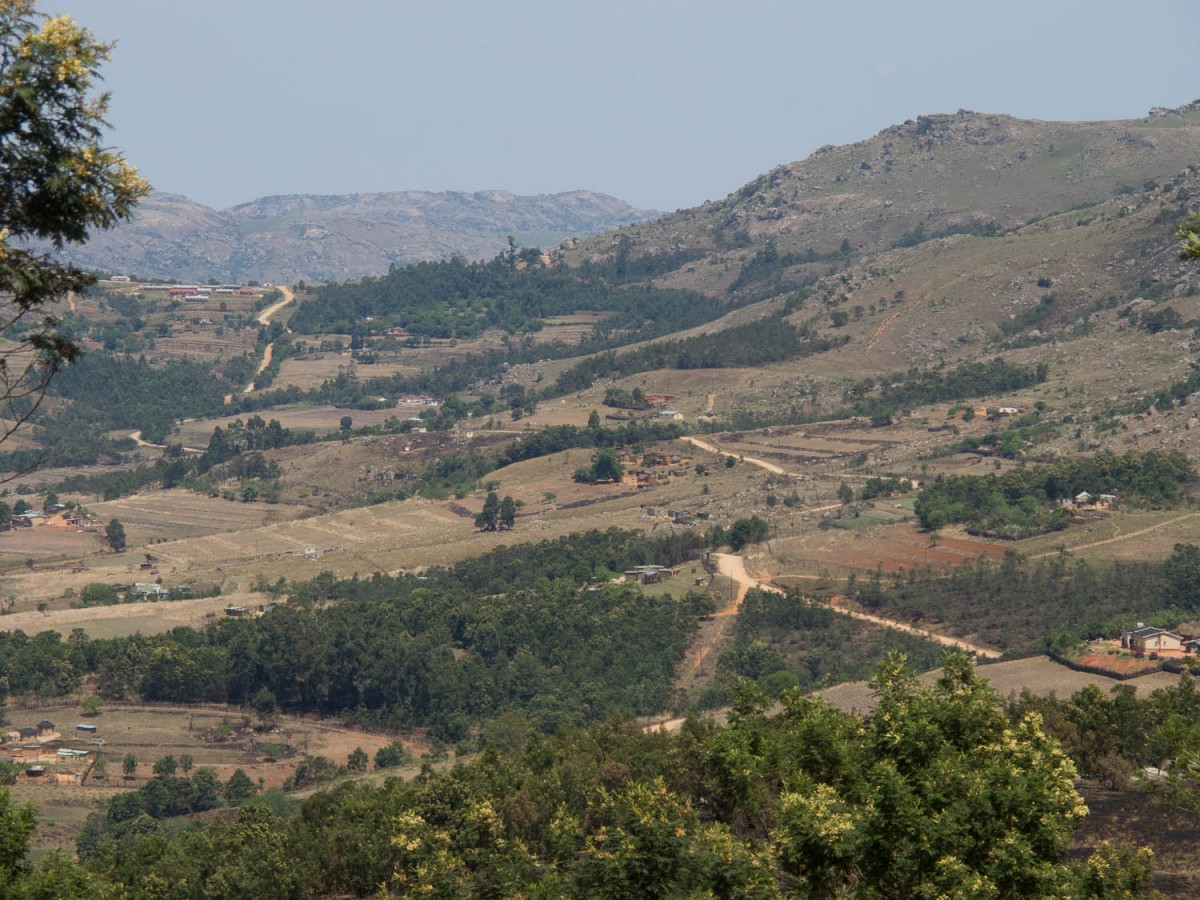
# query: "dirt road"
{"type": "Point", "coordinates": [136, 437]}
{"type": "Point", "coordinates": [264, 318]}
{"type": "Point", "coordinates": [262, 366]}
{"type": "Point", "coordinates": [945, 640]}
{"type": "Point", "coordinates": [734, 567]}
{"type": "Point", "coordinates": [761, 463]}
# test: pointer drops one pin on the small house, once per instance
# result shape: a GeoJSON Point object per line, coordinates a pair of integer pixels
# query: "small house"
{"type": "Point", "coordinates": [1145, 639]}
{"type": "Point", "coordinates": [145, 590]}
{"type": "Point", "coordinates": [86, 728]}
{"type": "Point", "coordinates": [45, 727]}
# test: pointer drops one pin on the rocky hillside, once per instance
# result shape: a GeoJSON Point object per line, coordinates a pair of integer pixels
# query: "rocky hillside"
{"type": "Point", "coordinates": [961, 173]}
{"type": "Point", "coordinates": [951, 239]}
{"type": "Point", "coordinates": [339, 237]}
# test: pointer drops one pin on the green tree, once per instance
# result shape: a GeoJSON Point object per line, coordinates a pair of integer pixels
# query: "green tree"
{"type": "Point", "coordinates": [607, 466]}
{"type": "Point", "coordinates": [205, 789]}
{"type": "Point", "coordinates": [265, 706]}
{"type": "Point", "coordinates": [166, 766]}
{"type": "Point", "coordinates": [92, 705]}
{"type": "Point", "coordinates": [489, 518]}
{"type": "Point", "coordinates": [845, 493]}
{"type": "Point", "coordinates": [508, 514]}
{"type": "Point", "coordinates": [129, 765]}
{"type": "Point", "coordinates": [593, 419]}
{"type": "Point", "coordinates": [114, 533]}
{"type": "Point", "coordinates": [893, 808]}
{"type": "Point", "coordinates": [346, 423]}
{"type": "Point", "coordinates": [753, 530]}
{"type": "Point", "coordinates": [17, 822]}
{"type": "Point", "coordinates": [1182, 571]}
{"type": "Point", "coordinates": [58, 182]}
{"type": "Point", "coordinates": [357, 760]}
{"type": "Point", "coordinates": [239, 788]}
{"type": "Point", "coordinates": [99, 594]}
{"type": "Point", "coordinates": [391, 755]}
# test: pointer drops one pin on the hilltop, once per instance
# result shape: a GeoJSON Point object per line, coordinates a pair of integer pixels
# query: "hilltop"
{"type": "Point", "coordinates": [308, 237]}
{"type": "Point", "coordinates": [937, 175]}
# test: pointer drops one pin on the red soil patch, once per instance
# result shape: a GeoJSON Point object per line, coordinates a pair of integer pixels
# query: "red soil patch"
{"type": "Point", "coordinates": [1119, 665]}
{"type": "Point", "coordinates": [903, 547]}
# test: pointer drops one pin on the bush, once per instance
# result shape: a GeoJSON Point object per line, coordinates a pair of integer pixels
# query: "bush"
{"type": "Point", "coordinates": [392, 755]}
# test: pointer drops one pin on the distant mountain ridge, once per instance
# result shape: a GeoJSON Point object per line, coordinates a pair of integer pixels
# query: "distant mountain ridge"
{"type": "Point", "coordinates": [339, 236]}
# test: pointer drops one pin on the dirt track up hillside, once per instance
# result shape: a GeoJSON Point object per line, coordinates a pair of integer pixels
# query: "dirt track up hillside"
{"type": "Point", "coordinates": [761, 463]}
{"type": "Point", "coordinates": [264, 318]}
{"type": "Point", "coordinates": [1120, 537]}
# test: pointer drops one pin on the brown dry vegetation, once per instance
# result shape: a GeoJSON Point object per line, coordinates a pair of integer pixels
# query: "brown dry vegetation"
{"type": "Point", "coordinates": [152, 732]}
{"type": "Point", "coordinates": [311, 370]}
{"type": "Point", "coordinates": [1135, 816]}
{"type": "Point", "coordinates": [321, 419]}
{"type": "Point", "coordinates": [1037, 674]}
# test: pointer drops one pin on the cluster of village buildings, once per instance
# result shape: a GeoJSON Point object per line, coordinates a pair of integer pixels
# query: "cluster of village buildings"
{"type": "Point", "coordinates": [39, 749]}
{"type": "Point", "coordinates": [195, 292]}
{"type": "Point", "coordinates": [56, 515]}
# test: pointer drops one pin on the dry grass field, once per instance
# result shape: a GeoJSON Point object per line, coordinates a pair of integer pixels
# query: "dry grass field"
{"type": "Point", "coordinates": [1130, 534]}
{"type": "Point", "coordinates": [891, 548]}
{"type": "Point", "coordinates": [126, 618]}
{"type": "Point", "coordinates": [321, 419]}
{"type": "Point", "coordinates": [177, 514]}
{"type": "Point", "coordinates": [313, 369]}
{"type": "Point", "coordinates": [152, 732]}
{"type": "Point", "coordinates": [567, 329]}
{"type": "Point", "coordinates": [1038, 674]}
{"type": "Point", "coordinates": [46, 545]}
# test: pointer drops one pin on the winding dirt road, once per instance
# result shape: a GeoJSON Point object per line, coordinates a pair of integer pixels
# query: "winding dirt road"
{"type": "Point", "coordinates": [264, 318]}
{"type": "Point", "coordinates": [733, 566]}
{"type": "Point", "coordinates": [761, 463]}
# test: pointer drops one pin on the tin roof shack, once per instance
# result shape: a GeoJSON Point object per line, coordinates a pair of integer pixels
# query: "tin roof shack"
{"type": "Point", "coordinates": [648, 574]}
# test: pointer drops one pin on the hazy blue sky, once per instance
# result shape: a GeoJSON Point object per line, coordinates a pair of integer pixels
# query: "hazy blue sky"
{"type": "Point", "coordinates": [662, 103]}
